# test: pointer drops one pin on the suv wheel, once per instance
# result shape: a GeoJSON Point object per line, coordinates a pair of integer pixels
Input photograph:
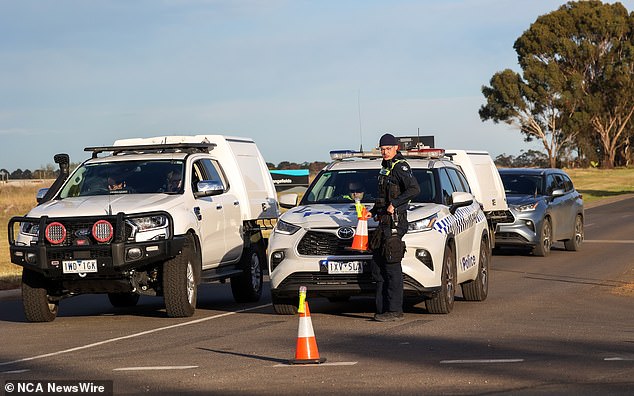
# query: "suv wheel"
{"type": "Point", "coordinates": [442, 302]}
{"type": "Point", "coordinates": [477, 289]}
{"type": "Point", "coordinates": [284, 306]}
{"type": "Point", "coordinates": [573, 243]}
{"type": "Point", "coordinates": [248, 286]}
{"type": "Point", "coordinates": [545, 239]}
{"type": "Point", "coordinates": [122, 300]}
{"type": "Point", "coordinates": [180, 283]}
{"type": "Point", "coordinates": [38, 304]}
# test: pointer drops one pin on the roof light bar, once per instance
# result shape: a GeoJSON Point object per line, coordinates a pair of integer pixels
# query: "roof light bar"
{"type": "Point", "coordinates": [427, 153]}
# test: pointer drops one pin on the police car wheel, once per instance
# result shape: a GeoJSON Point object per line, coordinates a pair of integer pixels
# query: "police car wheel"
{"type": "Point", "coordinates": [442, 302]}
{"type": "Point", "coordinates": [477, 289]}
{"type": "Point", "coordinates": [284, 306]}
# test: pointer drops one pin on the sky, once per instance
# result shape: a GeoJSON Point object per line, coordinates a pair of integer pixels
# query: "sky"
{"type": "Point", "coordinates": [299, 77]}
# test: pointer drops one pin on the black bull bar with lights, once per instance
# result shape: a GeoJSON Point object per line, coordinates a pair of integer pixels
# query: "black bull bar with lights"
{"type": "Point", "coordinates": [113, 256]}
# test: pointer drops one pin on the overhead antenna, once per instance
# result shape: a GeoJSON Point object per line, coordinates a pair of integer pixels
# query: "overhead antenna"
{"type": "Point", "coordinates": [360, 129]}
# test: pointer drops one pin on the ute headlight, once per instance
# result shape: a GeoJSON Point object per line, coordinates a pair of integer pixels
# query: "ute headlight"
{"type": "Point", "coordinates": [527, 207]}
{"type": "Point", "coordinates": [286, 228]}
{"type": "Point", "coordinates": [149, 228]}
{"type": "Point", "coordinates": [423, 224]}
{"type": "Point", "coordinates": [30, 229]}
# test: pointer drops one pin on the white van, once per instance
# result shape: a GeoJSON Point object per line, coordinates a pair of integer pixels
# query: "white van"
{"type": "Point", "coordinates": [486, 185]}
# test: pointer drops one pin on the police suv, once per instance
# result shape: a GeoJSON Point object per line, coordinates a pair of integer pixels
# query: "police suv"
{"type": "Point", "coordinates": [448, 240]}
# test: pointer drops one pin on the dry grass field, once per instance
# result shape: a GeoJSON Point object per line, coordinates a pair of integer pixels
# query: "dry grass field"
{"type": "Point", "coordinates": [18, 199]}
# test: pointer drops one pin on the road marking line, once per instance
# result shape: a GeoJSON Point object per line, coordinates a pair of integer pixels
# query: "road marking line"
{"type": "Point", "coordinates": [463, 361]}
{"type": "Point", "coordinates": [15, 371]}
{"type": "Point", "coordinates": [320, 364]}
{"type": "Point", "coordinates": [143, 333]}
{"type": "Point", "coordinates": [608, 241]}
{"type": "Point", "coordinates": [154, 368]}
{"type": "Point", "coordinates": [619, 359]}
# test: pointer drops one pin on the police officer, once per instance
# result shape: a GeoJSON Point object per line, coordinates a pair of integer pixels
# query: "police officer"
{"type": "Point", "coordinates": [397, 186]}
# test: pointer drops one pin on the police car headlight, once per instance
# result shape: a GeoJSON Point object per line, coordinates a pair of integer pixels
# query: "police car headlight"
{"type": "Point", "coordinates": [149, 228]}
{"type": "Point", "coordinates": [286, 228]}
{"type": "Point", "coordinates": [422, 224]}
{"type": "Point", "coordinates": [527, 208]}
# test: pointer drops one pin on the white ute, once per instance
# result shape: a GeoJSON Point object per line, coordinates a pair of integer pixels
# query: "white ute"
{"type": "Point", "coordinates": [151, 216]}
{"type": "Point", "coordinates": [448, 242]}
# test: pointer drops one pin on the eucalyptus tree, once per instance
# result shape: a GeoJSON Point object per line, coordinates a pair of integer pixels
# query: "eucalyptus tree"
{"type": "Point", "coordinates": [577, 80]}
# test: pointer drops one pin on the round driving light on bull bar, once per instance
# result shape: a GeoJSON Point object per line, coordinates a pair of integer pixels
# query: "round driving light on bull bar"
{"type": "Point", "coordinates": [55, 233]}
{"type": "Point", "coordinates": [102, 231]}
{"type": "Point", "coordinates": [135, 253]}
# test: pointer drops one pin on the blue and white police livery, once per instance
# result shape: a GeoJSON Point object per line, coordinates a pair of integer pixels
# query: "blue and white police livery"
{"type": "Point", "coordinates": [448, 240]}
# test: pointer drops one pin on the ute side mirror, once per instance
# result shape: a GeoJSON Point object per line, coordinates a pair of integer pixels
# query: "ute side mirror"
{"type": "Point", "coordinates": [208, 188]}
{"type": "Point", "coordinates": [460, 199]}
{"type": "Point", "coordinates": [288, 201]}
{"type": "Point", "coordinates": [41, 193]}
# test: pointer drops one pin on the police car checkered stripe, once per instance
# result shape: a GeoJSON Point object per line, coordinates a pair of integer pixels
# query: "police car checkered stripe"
{"type": "Point", "coordinates": [461, 220]}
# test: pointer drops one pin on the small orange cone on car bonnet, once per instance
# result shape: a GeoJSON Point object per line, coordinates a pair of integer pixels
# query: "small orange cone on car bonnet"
{"type": "Point", "coordinates": [360, 241]}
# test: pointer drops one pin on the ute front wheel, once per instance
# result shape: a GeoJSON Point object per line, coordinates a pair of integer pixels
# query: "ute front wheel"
{"type": "Point", "coordinates": [38, 304]}
{"type": "Point", "coordinates": [180, 282]}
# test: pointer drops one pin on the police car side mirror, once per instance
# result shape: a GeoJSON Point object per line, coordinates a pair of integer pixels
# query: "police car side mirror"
{"type": "Point", "coordinates": [288, 201]}
{"type": "Point", "coordinates": [460, 199]}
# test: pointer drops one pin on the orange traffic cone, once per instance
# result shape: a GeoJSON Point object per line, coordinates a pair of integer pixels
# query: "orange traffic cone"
{"type": "Point", "coordinates": [360, 241]}
{"type": "Point", "coordinates": [306, 351]}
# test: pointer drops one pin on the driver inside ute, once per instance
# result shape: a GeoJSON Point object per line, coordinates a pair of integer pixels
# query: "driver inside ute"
{"type": "Point", "coordinates": [174, 181]}
{"type": "Point", "coordinates": [114, 184]}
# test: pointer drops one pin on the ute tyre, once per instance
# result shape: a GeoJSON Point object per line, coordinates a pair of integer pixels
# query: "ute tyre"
{"type": "Point", "coordinates": [248, 286]}
{"type": "Point", "coordinates": [180, 281]}
{"type": "Point", "coordinates": [574, 243]}
{"type": "Point", "coordinates": [443, 301]}
{"type": "Point", "coordinates": [37, 303]}
{"type": "Point", "coordinates": [123, 300]}
{"type": "Point", "coordinates": [545, 239]}
{"type": "Point", "coordinates": [284, 306]}
{"type": "Point", "coordinates": [478, 289]}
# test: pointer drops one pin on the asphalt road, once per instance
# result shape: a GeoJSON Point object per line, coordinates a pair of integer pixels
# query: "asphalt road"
{"type": "Point", "coordinates": [555, 325]}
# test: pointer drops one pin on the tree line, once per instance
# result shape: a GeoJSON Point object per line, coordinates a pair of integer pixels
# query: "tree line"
{"type": "Point", "coordinates": [575, 92]}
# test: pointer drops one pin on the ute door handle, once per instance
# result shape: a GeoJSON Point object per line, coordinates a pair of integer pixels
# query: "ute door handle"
{"type": "Point", "coordinates": [218, 206]}
{"type": "Point", "coordinates": [236, 203]}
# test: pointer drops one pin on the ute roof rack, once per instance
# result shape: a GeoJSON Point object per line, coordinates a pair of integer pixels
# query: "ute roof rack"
{"type": "Point", "coordinates": [153, 148]}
